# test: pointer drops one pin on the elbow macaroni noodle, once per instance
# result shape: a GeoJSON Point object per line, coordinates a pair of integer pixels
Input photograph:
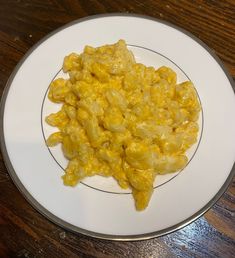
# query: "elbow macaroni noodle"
{"type": "Point", "coordinates": [122, 119]}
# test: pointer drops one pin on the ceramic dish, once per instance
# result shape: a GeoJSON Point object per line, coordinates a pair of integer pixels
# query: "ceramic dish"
{"type": "Point", "coordinates": [98, 207]}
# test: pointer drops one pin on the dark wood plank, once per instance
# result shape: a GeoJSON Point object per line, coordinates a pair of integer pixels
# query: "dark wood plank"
{"type": "Point", "coordinates": [25, 232]}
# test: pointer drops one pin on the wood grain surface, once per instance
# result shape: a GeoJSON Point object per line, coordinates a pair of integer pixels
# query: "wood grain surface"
{"type": "Point", "coordinates": [26, 233]}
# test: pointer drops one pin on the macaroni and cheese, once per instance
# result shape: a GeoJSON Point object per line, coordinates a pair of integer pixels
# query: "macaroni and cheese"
{"type": "Point", "coordinates": [122, 119]}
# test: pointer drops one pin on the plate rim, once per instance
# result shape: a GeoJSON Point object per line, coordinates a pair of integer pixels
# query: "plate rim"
{"type": "Point", "coordinates": [56, 220]}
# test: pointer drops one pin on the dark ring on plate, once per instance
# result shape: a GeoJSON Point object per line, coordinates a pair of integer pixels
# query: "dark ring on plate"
{"type": "Point", "coordinates": [110, 192]}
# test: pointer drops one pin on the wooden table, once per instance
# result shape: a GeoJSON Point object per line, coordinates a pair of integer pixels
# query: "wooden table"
{"type": "Point", "coordinates": [26, 233]}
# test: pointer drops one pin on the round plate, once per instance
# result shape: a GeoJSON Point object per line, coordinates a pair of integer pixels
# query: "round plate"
{"type": "Point", "coordinates": [98, 207]}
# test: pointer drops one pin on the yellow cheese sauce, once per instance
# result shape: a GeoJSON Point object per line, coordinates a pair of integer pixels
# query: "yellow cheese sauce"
{"type": "Point", "coordinates": [122, 119]}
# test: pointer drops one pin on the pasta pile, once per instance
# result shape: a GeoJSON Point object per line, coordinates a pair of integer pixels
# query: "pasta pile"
{"type": "Point", "coordinates": [122, 119]}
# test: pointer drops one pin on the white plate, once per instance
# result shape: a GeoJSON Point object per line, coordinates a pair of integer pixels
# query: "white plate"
{"type": "Point", "coordinates": [98, 207]}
